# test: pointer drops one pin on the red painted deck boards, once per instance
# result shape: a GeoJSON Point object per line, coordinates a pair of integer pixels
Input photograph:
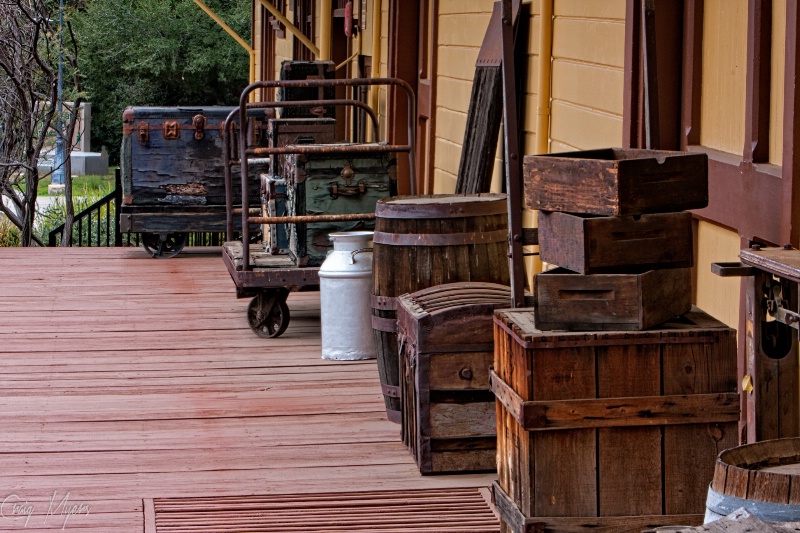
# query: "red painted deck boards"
{"type": "Point", "coordinates": [124, 378]}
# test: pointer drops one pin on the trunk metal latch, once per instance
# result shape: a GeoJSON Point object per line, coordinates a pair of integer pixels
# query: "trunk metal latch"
{"type": "Point", "coordinates": [143, 132]}
{"type": "Point", "coordinates": [199, 123]}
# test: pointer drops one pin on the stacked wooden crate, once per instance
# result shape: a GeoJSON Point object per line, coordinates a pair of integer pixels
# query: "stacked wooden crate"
{"type": "Point", "coordinates": [605, 424]}
{"type": "Point", "coordinates": [613, 221]}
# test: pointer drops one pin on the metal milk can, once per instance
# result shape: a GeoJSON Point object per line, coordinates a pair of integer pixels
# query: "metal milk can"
{"type": "Point", "coordinates": [345, 286]}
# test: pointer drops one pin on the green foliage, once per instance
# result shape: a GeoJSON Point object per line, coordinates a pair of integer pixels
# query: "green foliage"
{"type": "Point", "coordinates": [157, 53]}
{"type": "Point", "coordinates": [9, 233]}
{"type": "Point", "coordinates": [84, 185]}
{"type": "Point", "coordinates": [86, 234]}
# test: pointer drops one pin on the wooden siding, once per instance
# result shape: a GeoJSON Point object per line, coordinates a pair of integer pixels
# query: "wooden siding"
{"type": "Point", "coordinates": [777, 82]}
{"type": "Point", "coordinates": [127, 378]}
{"type": "Point", "coordinates": [461, 27]}
{"type": "Point", "coordinates": [717, 296]}
{"type": "Point", "coordinates": [724, 70]}
{"type": "Point", "coordinates": [587, 74]}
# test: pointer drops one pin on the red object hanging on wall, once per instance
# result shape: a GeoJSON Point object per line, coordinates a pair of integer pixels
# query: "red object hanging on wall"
{"type": "Point", "coordinates": [348, 18]}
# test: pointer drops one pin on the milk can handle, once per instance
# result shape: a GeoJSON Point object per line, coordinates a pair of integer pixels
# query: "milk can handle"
{"type": "Point", "coordinates": [355, 252]}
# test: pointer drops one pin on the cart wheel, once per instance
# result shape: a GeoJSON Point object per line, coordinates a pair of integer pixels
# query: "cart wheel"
{"type": "Point", "coordinates": [268, 323]}
{"type": "Point", "coordinates": [163, 245]}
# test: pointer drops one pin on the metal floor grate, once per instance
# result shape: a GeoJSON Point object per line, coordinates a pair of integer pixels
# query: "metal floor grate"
{"type": "Point", "coordinates": [465, 510]}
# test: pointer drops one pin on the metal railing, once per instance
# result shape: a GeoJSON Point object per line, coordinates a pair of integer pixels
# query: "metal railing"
{"type": "Point", "coordinates": [98, 224]}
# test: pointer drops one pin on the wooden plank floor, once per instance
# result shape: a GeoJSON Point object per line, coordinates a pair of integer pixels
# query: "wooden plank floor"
{"type": "Point", "coordinates": [125, 378]}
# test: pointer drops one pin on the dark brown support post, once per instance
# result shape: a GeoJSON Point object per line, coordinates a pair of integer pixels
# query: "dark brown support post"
{"type": "Point", "coordinates": [770, 386]}
{"type": "Point", "coordinates": [759, 48]}
{"type": "Point", "coordinates": [790, 229]}
{"type": "Point", "coordinates": [652, 128]}
{"type": "Point", "coordinates": [403, 42]}
{"type": "Point", "coordinates": [513, 160]}
{"type": "Point", "coordinates": [633, 60]}
{"type": "Point", "coordinates": [692, 72]}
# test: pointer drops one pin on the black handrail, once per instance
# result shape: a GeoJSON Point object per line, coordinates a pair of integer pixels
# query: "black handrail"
{"type": "Point", "coordinates": [109, 201]}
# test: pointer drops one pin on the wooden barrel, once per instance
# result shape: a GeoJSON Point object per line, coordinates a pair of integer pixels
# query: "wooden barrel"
{"type": "Point", "coordinates": [422, 241]}
{"type": "Point", "coordinates": [761, 477]}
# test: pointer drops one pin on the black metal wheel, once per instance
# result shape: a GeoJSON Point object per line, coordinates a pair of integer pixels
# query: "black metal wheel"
{"type": "Point", "coordinates": [268, 315]}
{"type": "Point", "coordinates": [163, 245]}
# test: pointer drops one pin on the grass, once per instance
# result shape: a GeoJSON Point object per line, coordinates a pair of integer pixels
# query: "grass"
{"type": "Point", "coordinates": [84, 185]}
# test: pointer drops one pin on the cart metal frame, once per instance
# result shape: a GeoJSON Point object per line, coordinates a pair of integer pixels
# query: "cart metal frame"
{"type": "Point", "coordinates": [268, 278]}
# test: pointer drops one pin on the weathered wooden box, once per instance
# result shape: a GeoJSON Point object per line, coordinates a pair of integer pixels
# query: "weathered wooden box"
{"type": "Point", "coordinates": [614, 431]}
{"type": "Point", "coordinates": [568, 301]}
{"type": "Point", "coordinates": [291, 131]}
{"type": "Point", "coordinates": [615, 181]}
{"type": "Point", "coordinates": [590, 244]}
{"type": "Point", "coordinates": [307, 70]}
{"type": "Point", "coordinates": [448, 411]}
{"type": "Point", "coordinates": [173, 156]}
{"type": "Point", "coordinates": [337, 184]}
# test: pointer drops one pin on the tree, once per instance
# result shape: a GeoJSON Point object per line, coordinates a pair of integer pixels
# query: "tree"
{"type": "Point", "coordinates": [29, 55]}
{"type": "Point", "coordinates": [157, 53]}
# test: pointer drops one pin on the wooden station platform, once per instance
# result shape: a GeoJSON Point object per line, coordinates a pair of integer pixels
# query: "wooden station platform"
{"type": "Point", "coordinates": [135, 398]}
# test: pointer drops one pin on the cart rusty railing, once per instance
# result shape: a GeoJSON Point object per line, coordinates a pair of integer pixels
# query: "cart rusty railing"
{"type": "Point", "coordinates": [246, 152]}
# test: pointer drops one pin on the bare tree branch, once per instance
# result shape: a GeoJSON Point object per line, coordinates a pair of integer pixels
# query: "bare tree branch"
{"type": "Point", "coordinates": [29, 56]}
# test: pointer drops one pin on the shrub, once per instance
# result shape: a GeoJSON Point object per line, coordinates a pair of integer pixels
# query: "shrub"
{"type": "Point", "coordinates": [9, 233]}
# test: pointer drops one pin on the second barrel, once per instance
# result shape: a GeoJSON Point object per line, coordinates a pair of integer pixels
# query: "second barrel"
{"type": "Point", "coordinates": [422, 241]}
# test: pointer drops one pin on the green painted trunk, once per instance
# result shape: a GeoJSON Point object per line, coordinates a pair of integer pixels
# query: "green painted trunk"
{"type": "Point", "coordinates": [334, 184]}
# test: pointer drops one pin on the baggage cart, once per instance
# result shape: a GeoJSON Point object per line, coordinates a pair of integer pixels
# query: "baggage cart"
{"type": "Point", "coordinates": [258, 274]}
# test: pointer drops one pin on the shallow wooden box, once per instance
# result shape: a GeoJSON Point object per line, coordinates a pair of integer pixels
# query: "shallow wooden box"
{"type": "Point", "coordinates": [590, 244]}
{"type": "Point", "coordinates": [446, 340]}
{"type": "Point", "coordinates": [614, 431]}
{"type": "Point", "coordinates": [568, 301]}
{"type": "Point", "coordinates": [615, 181]}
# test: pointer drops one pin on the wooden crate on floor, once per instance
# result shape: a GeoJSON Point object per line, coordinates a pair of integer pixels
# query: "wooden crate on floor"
{"type": "Point", "coordinates": [448, 411]}
{"type": "Point", "coordinates": [616, 430]}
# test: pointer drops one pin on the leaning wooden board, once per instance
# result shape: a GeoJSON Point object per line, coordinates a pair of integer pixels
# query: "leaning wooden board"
{"type": "Point", "coordinates": [615, 430]}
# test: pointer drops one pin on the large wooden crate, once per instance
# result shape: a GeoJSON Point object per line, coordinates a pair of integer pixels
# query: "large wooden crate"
{"type": "Point", "coordinates": [448, 411]}
{"type": "Point", "coordinates": [615, 430]}
{"type": "Point", "coordinates": [615, 181]}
